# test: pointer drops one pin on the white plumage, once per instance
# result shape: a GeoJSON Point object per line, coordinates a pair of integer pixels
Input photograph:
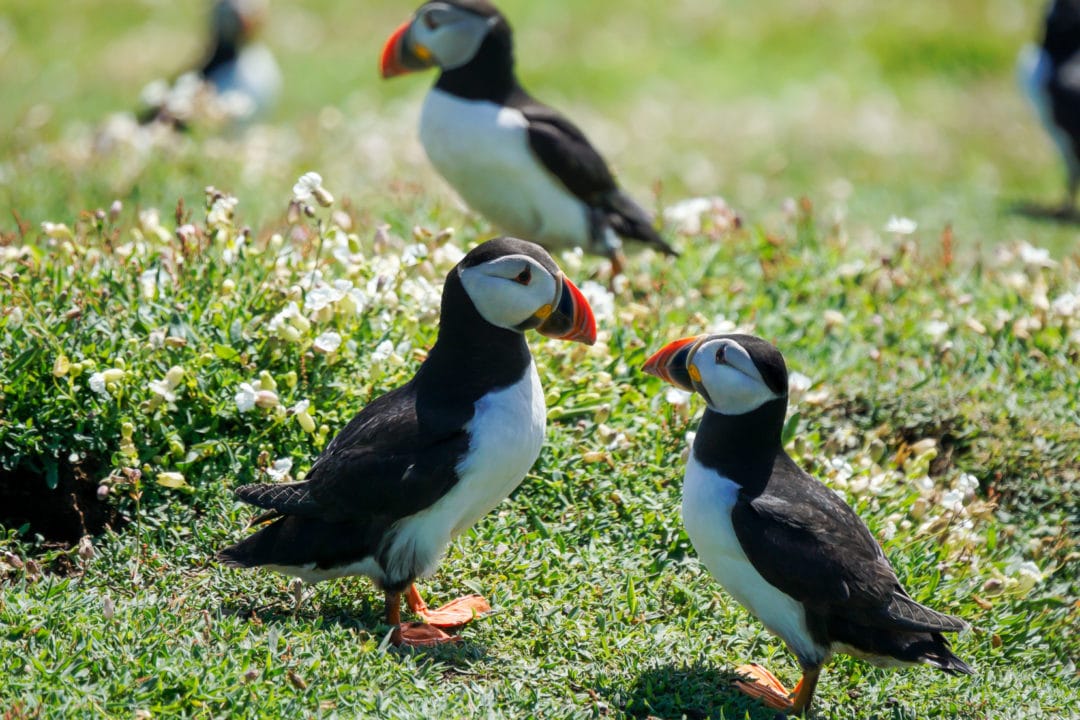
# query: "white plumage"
{"type": "Point", "coordinates": [482, 149]}
{"type": "Point", "coordinates": [708, 498]}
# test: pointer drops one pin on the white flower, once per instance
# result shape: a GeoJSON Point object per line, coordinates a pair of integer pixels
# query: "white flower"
{"type": "Point", "coordinates": [936, 329]}
{"type": "Point", "coordinates": [1034, 256]}
{"type": "Point", "coordinates": [328, 342]}
{"type": "Point", "coordinates": [322, 296]}
{"type": "Point", "coordinates": [677, 397]}
{"type": "Point", "coordinates": [280, 469]}
{"type": "Point", "coordinates": [164, 389]}
{"type": "Point", "coordinates": [382, 353]}
{"type": "Point", "coordinates": [799, 383]}
{"type": "Point", "coordinates": [413, 254]}
{"type": "Point", "coordinates": [309, 187]}
{"type": "Point", "coordinates": [1028, 576]}
{"type": "Point", "coordinates": [245, 398]}
{"type": "Point", "coordinates": [600, 298]}
{"type": "Point", "coordinates": [952, 500]}
{"type": "Point", "coordinates": [901, 225]}
{"type": "Point", "coordinates": [97, 384]}
{"type": "Point", "coordinates": [221, 211]}
{"type": "Point", "coordinates": [1067, 305]}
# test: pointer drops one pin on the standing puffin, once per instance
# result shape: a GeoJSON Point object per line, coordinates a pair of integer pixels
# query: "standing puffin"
{"type": "Point", "coordinates": [780, 542]}
{"type": "Point", "coordinates": [516, 161]}
{"type": "Point", "coordinates": [241, 74]}
{"type": "Point", "coordinates": [1050, 74]}
{"type": "Point", "coordinates": [425, 461]}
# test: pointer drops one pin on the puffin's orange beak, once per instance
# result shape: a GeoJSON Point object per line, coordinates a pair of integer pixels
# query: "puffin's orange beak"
{"type": "Point", "coordinates": [400, 55]}
{"type": "Point", "coordinates": [670, 363]}
{"type": "Point", "coordinates": [390, 64]}
{"type": "Point", "coordinates": [572, 318]}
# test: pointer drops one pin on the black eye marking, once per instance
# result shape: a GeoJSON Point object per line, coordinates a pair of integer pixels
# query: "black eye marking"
{"type": "Point", "coordinates": [430, 21]}
{"type": "Point", "coordinates": [524, 277]}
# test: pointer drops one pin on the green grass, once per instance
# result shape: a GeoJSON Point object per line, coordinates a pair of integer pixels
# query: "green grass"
{"type": "Point", "coordinates": [921, 366]}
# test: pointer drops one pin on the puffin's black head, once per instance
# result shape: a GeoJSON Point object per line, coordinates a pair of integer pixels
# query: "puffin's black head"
{"type": "Point", "coordinates": [515, 285]}
{"type": "Point", "coordinates": [1062, 38]}
{"type": "Point", "coordinates": [736, 374]}
{"type": "Point", "coordinates": [235, 22]}
{"type": "Point", "coordinates": [443, 33]}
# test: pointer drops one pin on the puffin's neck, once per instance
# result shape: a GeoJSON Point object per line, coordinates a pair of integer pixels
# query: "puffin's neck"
{"type": "Point", "coordinates": [471, 356]}
{"type": "Point", "coordinates": [488, 76]}
{"type": "Point", "coordinates": [742, 448]}
{"type": "Point", "coordinates": [224, 51]}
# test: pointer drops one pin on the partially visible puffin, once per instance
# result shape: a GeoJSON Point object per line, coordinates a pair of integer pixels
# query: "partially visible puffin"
{"type": "Point", "coordinates": [519, 163]}
{"type": "Point", "coordinates": [240, 73]}
{"type": "Point", "coordinates": [425, 461]}
{"type": "Point", "coordinates": [780, 542]}
{"type": "Point", "coordinates": [1050, 74]}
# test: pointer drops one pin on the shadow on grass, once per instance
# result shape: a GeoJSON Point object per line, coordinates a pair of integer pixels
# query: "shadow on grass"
{"type": "Point", "coordinates": [695, 691]}
{"type": "Point", "coordinates": [1045, 213]}
{"type": "Point", "coordinates": [368, 623]}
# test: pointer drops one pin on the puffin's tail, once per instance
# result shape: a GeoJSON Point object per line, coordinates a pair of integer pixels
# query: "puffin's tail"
{"type": "Point", "coordinates": [630, 221]}
{"type": "Point", "coordinates": [936, 652]}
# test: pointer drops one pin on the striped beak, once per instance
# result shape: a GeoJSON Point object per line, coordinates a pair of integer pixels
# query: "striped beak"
{"type": "Point", "coordinates": [671, 363]}
{"type": "Point", "coordinates": [400, 55]}
{"type": "Point", "coordinates": [570, 317]}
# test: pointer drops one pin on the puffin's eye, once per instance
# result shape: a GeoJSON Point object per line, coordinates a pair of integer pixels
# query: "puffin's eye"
{"type": "Point", "coordinates": [720, 355]}
{"type": "Point", "coordinates": [430, 21]}
{"type": "Point", "coordinates": [524, 277]}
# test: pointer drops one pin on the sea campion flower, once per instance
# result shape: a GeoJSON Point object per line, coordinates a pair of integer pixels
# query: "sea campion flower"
{"type": "Point", "coordinates": [328, 342]}
{"type": "Point", "coordinates": [280, 469]}
{"type": "Point", "coordinates": [245, 398]}
{"type": "Point", "coordinates": [901, 225]}
{"type": "Point", "coordinates": [309, 187]}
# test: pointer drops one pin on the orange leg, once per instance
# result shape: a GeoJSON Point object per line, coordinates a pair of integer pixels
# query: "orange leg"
{"type": "Point", "coordinates": [764, 686]}
{"type": "Point", "coordinates": [412, 634]}
{"type": "Point", "coordinates": [451, 615]}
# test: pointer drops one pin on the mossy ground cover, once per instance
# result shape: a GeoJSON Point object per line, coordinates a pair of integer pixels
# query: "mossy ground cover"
{"type": "Point", "coordinates": [180, 342]}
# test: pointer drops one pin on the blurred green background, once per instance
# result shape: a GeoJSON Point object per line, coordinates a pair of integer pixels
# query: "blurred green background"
{"type": "Point", "coordinates": [869, 109]}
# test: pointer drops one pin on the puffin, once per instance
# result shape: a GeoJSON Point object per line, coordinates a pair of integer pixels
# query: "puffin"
{"type": "Point", "coordinates": [424, 462]}
{"type": "Point", "coordinates": [521, 164]}
{"type": "Point", "coordinates": [1050, 75]}
{"type": "Point", "coordinates": [239, 70]}
{"type": "Point", "coordinates": [778, 540]}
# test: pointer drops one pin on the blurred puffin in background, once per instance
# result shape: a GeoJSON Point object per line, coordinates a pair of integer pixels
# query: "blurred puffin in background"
{"type": "Point", "coordinates": [237, 83]}
{"type": "Point", "coordinates": [525, 167]}
{"type": "Point", "coordinates": [1050, 75]}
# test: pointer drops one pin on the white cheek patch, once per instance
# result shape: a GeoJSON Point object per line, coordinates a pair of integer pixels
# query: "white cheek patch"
{"type": "Point", "coordinates": [503, 302]}
{"type": "Point", "coordinates": [733, 392]}
{"type": "Point", "coordinates": [455, 43]}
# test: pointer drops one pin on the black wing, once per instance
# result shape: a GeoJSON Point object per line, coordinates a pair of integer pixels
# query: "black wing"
{"type": "Point", "coordinates": [807, 542]}
{"type": "Point", "coordinates": [1064, 92]}
{"type": "Point", "coordinates": [565, 151]}
{"type": "Point", "coordinates": [385, 463]}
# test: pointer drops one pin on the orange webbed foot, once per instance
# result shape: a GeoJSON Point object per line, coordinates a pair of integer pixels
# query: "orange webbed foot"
{"type": "Point", "coordinates": [451, 615]}
{"type": "Point", "coordinates": [418, 634]}
{"type": "Point", "coordinates": [763, 685]}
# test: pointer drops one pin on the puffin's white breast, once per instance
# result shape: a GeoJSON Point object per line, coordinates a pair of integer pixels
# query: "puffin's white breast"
{"type": "Point", "coordinates": [506, 434]}
{"type": "Point", "coordinates": [1035, 69]}
{"type": "Point", "coordinates": [708, 499]}
{"type": "Point", "coordinates": [253, 78]}
{"type": "Point", "coordinates": [482, 149]}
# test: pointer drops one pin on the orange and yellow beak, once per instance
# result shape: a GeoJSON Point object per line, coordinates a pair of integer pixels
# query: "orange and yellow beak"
{"type": "Point", "coordinates": [671, 363]}
{"type": "Point", "coordinates": [400, 55]}
{"type": "Point", "coordinates": [571, 317]}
